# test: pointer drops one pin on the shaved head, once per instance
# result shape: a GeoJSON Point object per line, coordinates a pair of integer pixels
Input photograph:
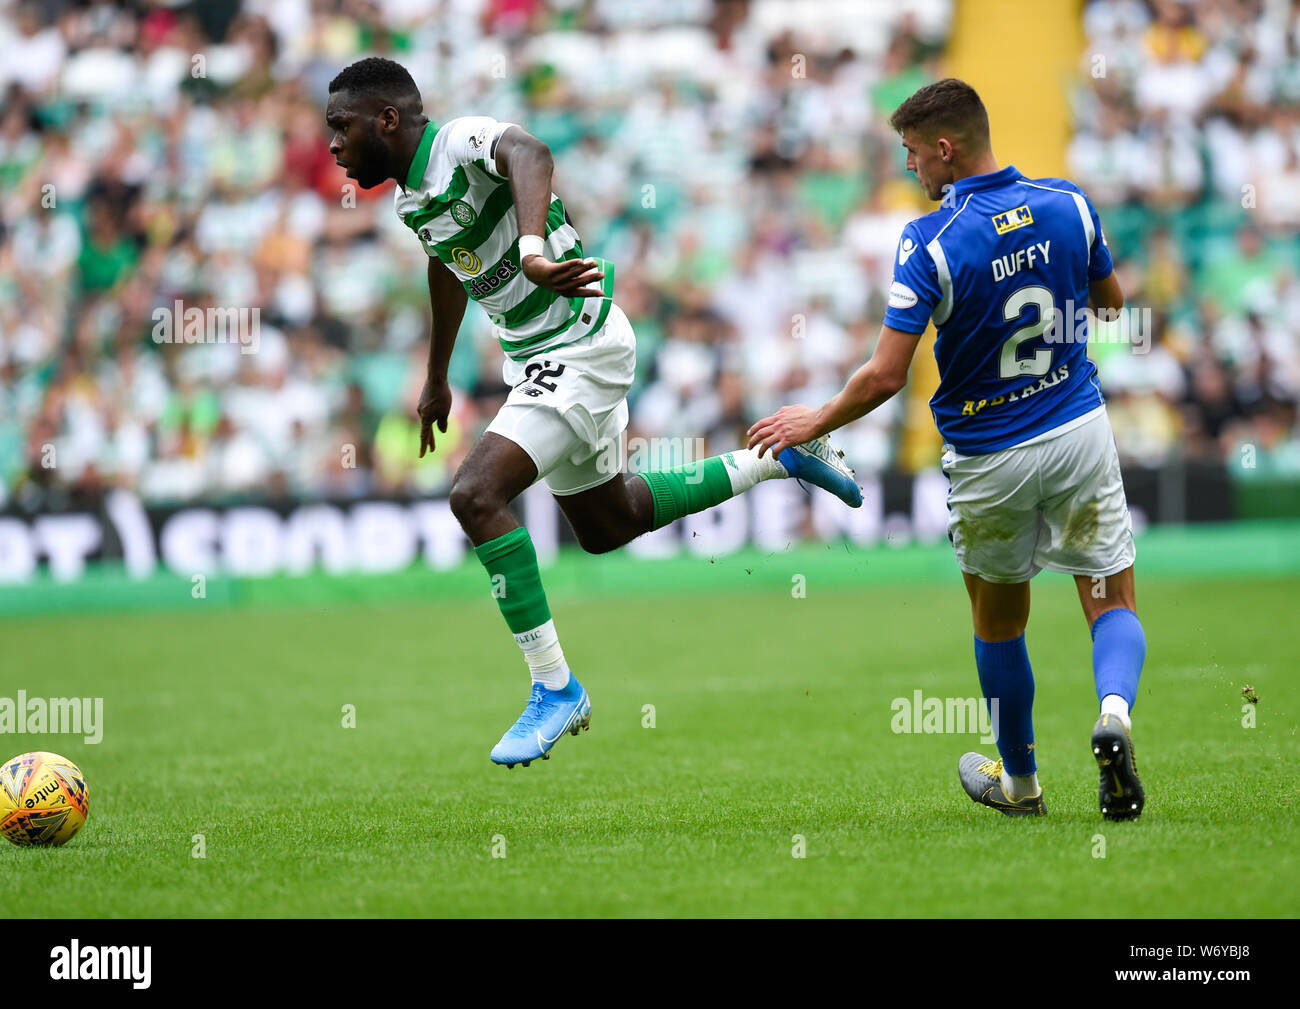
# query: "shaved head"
{"type": "Point", "coordinates": [375, 82]}
{"type": "Point", "coordinates": [377, 117]}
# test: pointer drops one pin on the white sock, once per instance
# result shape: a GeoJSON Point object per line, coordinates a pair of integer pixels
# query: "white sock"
{"type": "Point", "coordinates": [544, 656]}
{"type": "Point", "coordinates": [745, 468]}
{"type": "Point", "coordinates": [1113, 704]}
{"type": "Point", "coordinates": [1017, 787]}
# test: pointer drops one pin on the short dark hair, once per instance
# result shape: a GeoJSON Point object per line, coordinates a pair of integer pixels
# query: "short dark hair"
{"type": "Point", "coordinates": [947, 106]}
{"type": "Point", "coordinates": [382, 79]}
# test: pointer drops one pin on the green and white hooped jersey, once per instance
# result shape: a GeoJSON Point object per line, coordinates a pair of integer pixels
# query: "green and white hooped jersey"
{"type": "Point", "coordinates": [464, 213]}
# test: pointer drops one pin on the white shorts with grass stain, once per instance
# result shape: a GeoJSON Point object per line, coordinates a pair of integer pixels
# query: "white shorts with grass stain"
{"type": "Point", "coordinates": [1055, 503]}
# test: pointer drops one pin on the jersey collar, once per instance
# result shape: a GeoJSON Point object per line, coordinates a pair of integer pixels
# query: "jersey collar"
{"type": "Point", "coordinates": [420, 163]}
{"type": "Point", "coordinates": [989, 180]}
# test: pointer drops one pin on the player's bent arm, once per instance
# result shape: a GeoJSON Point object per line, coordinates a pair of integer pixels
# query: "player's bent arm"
{"type": "Point", "coordinates": [1106, 294]}
{"type": "Point", "coordinates": [447, 299]}
{"type": "Point", "coordinates": [527, 163]}
{"type": "Point", "coordinates": [872, 384]}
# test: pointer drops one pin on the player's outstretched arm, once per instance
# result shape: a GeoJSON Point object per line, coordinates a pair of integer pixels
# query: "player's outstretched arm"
{"type": "Point", "coordinates": [872, 384]}
{"type": "Point", "coordinates": [527, 163]}
{"type": "Point", "coordinates": [447, 298]}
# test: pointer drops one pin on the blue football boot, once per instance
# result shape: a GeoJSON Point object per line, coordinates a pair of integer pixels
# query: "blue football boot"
{"type": "Point", "coordinates": [817, 463]}
{"type": "Point", "coordinates": [548, 716]}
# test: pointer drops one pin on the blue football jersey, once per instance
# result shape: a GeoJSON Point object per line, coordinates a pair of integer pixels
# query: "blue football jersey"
{"type": "Point", "coordinates": [1003, 268]}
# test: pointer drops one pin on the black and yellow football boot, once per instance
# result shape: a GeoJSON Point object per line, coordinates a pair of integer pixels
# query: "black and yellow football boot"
{"type": "Point", "coordinates": [982, 780]}
{"type": "Point", "coordinates": [1120, 793]}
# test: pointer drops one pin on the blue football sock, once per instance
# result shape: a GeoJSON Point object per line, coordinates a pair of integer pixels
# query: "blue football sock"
{"type": "Point", "coordinates": [1005, 674]}
{"type": "Point", "coordinates": [1119, 647]}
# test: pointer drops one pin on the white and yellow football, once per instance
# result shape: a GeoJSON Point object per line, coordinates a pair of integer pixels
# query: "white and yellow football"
{"type": "Point", "coordinates": [43, 799]}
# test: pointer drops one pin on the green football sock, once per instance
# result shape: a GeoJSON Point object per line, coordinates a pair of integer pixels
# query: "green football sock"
{"type": "Point", "coordinates": [511, 563]}
{"type": "Point", "coordinates": [696, 486]}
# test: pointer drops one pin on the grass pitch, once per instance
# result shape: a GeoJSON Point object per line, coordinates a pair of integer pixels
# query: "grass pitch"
{"type": "Point", "coordinates": [772, 724]}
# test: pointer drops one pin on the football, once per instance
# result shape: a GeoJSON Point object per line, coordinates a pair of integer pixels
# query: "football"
{"type": "Point", "coordinates": [43, 799]}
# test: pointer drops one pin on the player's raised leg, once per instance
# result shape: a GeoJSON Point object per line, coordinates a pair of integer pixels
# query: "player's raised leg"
{"type": "Point", "coordinates": [1118, 651]}
{"type": "Point", "coordinates": [1000, 612]}
{"type": "Point", "coordinates": [494, 473]}
{"type": "Point", "coordinates": [609, 515]}
{"type": "Point", "coordinates": [624, 507]}
{"type": "Point", "coordinates": [697, 486]}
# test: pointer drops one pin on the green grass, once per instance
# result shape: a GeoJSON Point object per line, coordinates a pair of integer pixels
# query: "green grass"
{"type": "Point", "coordinates": [772, 720]}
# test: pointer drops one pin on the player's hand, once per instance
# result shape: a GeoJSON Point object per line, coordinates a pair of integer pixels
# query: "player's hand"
{"type": "Point", "coordinates": [435, 405]}
{"type": "Point", "coordinates": [571, 278]}
{"type": "Point", "coordinates": [790, 425]}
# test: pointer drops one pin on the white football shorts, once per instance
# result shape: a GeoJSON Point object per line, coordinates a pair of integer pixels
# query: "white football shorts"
{"type": "Point", "coordinates": [1055, 502]}
{"type": "Point", "coordinates": [567, 407]}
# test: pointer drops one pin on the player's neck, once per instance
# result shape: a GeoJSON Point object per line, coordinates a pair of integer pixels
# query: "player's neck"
{"type": "Point", "coordinates": [404, 150]}
{"type": "Point", "coordinates": [982, 164]}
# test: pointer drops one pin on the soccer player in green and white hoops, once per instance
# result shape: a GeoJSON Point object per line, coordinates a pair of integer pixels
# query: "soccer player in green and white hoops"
{"type": "Point", "coordinates": [477, 193]}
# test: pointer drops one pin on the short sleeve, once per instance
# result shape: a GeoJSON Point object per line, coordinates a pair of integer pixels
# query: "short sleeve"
{"type": "Point", "coordinates": [1100, 265]}
{"type": "Point", "coordinates": [915, 289]}
{"type": "Point", "coordinates": [473, 139]}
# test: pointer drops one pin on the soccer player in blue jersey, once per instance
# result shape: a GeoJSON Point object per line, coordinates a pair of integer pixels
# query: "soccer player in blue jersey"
{"type": "Point", "coordinates": [1030, 457]}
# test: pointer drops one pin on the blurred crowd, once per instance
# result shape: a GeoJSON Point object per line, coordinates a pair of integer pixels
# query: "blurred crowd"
{"type": "Point", "coordinates": [1188, 141]}
{"type": "Point", "coordinates": [741, 179]}
{"type": "Point", "coordinates": [731, 157]}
